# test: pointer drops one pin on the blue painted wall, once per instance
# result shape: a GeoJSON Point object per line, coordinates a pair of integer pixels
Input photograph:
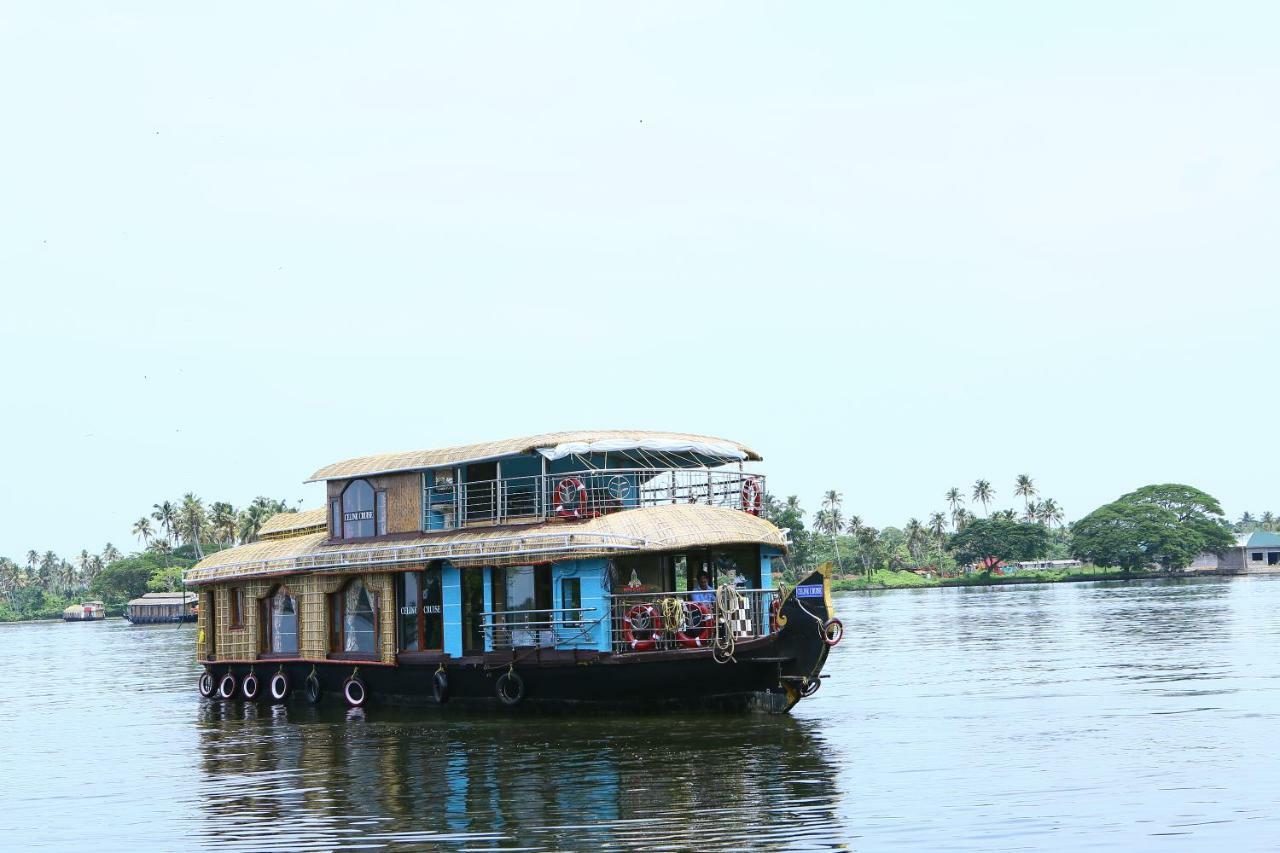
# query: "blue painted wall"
{"type": "Point", "coordinates": [451, 589]}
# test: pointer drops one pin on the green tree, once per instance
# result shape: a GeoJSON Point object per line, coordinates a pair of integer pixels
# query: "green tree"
{"type": "Point", "coordinates": [954, 499]}
{"type": "Point", "coordinates": [191, 521]}
{"type": "Point", "coordinates": [1025, 488]}
{"type": "Point", "coordinates": [1194, 508]}
{"type": "Point", "coordinates": [1166, 523]}
{"type": "Point", "coordinates": [222, 518]}
{"type": "Point", "coordinates": [142, 530]}
{"type": "Point", "coordinates": [167, 515]}
{"type": "Point", "coordinates": [1002, 538]}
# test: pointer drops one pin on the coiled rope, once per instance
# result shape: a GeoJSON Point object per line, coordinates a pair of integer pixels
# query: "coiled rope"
{"type": "Point", "coordinates": [728, 601]}
{"type": "Point", "coordinates": [672, 615]}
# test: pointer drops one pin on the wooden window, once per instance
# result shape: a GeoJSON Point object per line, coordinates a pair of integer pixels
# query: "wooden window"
{"type": "Point", "coordinates": [354, 621]}
{"type": "Point", "coordinates": [237, 607]}
{"type": "Point", "coordinates": [420, 620]}
{"type": "Point", "coordinates": [280, 623]}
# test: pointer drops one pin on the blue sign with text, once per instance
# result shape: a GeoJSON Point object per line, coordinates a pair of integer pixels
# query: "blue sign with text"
{"type": "Point", "coordinates": [809, 590]}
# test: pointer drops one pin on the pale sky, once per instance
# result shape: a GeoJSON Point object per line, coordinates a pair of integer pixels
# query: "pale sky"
{"type": "Point", "coordinates": [895, 247]}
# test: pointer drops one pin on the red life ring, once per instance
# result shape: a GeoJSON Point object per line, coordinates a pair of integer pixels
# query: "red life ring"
{"type": "Point", "coordinates": [690, 635]}
{"type": "Point", "coordinates": [653, 627]}
{"type": "Point", "coordinates": [752, 495]}
{"type": "Point", "coordinates": [571, 488]}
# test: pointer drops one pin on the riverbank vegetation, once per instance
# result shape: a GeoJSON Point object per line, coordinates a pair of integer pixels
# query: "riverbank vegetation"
{"type": "Point", "coordinates": [172, 537]}
{"type": "Point", "coordinates": [1159, 527]}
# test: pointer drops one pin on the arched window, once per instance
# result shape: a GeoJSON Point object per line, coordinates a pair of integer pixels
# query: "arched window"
{"type": "Point", "coordinates": [358, 511]}
{"type": "Point", "coordinates": [280, 627]}
{"type": "Point", "coordinates": [354, 620]}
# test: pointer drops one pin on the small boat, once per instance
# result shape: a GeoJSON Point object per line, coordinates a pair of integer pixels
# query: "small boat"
{"type": "Point", "coordinates": [590, 570]}
{"type": "Point", "coordinates": [89, 611]}
{"type": "Point", "coordinates": [158, 607]}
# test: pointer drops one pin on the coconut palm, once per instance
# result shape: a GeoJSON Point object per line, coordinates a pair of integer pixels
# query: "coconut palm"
{"type": "Point", "coordinates": [167, 514]}
{"type": "Point", "coordinates": [831, 501]}
{"type": "Point", "coordinates": [1033, 512]}
{"type": "Point", "coordinates": [191, 520]}
{"type": "Point", "coordinates": [110, 554]}
{"type": "Point", "coordinates": [983, 493]}
{"type": "Point", "coordinates": [1005, 515]}
{"type": "Point", "coordinates": [162, 548]}
{"type": "Point", "coordinates": [853, 525]}
{"type": "Point", "coordinates": [961, 519]}
{"type": "Point", "coordinates": [954, 498]}
{"type": "Point", "coordinates": [48, 574]}
{"type": "Point", "coordinates": [1025, 488]}
{"type": "Point", "coordinates": [867, 541]}
{"type": "Point", "coordinates": [1051, 513]}
{"type": "Point", "coordinates": [1268, 520]}
{"type": "Point", "coordinates": [222, 517]}
{"type": "Point", "coordinates": [915, 534]}
{"type": "Point", "coordinates": [142, 530]}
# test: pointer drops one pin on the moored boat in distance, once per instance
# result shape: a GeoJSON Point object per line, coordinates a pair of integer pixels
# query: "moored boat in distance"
{"type": "Point", "coordinates": [576, 570]}
{"type": "Point", "coordinates": [89, 611]}
{"type": "Point", "coordinates": [162, 607]}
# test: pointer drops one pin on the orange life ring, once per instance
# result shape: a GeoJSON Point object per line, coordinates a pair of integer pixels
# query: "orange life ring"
{"type": "Point", "coordinates": [571, 487]}
{"type": "Point", "coordinates": [653, 628]}
{"type": "Point", "coordinates": [752, 495]}
{"type": "Point", "coordinates": [694, 636]}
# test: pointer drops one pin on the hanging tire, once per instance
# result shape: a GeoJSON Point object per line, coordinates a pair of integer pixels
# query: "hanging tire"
{"type": "Point", "coordinates": [278, 687]}
{"type": "Point", "coordinates": [510, 689]}
{"type": "Point", "coordinates": [833, 632]}
{"type": "Point", "coordinates": [227, 687]}
{"type": "Point", "coordinates": [249, 687]}
{"type": "Point", "coordinates": [208, 687]}
{"type": "Point", "coordinates": [440, 687]}
{"type": "Point", "coordinates": [355, 692]}
{"type": "Point", "coordinates": [314, 692]}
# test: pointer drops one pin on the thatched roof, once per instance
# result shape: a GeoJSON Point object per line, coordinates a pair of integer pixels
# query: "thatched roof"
{"type": "Point", "coordinates": [417, 460]}
{"type": "Point", "coordinates": [284, 524]}
{"type": "Point", "coordinates": [161, 599]}
{"type": "Point", "coordinates": [652, 529]}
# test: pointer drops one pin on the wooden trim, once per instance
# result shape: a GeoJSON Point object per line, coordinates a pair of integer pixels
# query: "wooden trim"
{"type": "Point", "coordinates": [208, 662]}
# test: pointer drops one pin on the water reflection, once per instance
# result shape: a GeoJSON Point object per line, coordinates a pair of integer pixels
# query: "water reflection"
{"type": "Point", "coordinates": [299, 776]}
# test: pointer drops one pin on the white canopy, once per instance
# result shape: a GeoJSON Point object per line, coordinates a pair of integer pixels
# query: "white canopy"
{"type": "Point", "coordinates": [712, 449]}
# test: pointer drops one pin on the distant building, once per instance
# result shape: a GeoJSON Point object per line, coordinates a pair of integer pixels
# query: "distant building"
{"type": "Point", "coordinates": [1258, 551]}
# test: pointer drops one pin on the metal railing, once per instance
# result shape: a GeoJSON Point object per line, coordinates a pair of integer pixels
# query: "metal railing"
{"type": "Point", "coordinates": [659, 621]}
{"type": "Point", "coordinates": [545, 629]}
{"type": "Point", "coordinates": [586, 494]}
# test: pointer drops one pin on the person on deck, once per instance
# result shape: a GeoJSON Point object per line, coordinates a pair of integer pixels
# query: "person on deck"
{"type": "Point", "coordinates": [704, 594]}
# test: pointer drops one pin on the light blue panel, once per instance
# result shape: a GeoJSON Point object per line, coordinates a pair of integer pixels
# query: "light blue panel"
{"type": "Point", "coordinates": [767, 556]}
{"type": "Point", "coordinates": [488, 603]}
{"type": "Point", "coordinates": [451, 587]}
{"type": "Point", "coordinates": [593, 575]}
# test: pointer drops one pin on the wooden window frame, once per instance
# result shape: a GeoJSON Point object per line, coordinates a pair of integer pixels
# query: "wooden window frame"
{"type": "Point", "coordinates": [237, 594]}
{"type": "Point", "coordinates": [380, 523]}
{"type": "Point", "coordinates": [337, 625]}
{"type": "Point", "coordinates": [264, 611]}
{"type": "Point", "coordinates": [422, 614]}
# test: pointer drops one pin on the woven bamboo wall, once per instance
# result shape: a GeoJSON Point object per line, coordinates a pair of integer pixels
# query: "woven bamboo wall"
{"type": "Point", "coordinates": [404, 499]}
{"type": "Point", "coordinates": [311, 592]}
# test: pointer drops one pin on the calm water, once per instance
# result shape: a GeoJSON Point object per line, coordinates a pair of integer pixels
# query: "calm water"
{"type": "Point", "coordinates": [1065, 717]}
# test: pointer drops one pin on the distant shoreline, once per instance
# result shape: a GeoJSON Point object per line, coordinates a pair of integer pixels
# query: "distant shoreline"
{"type": "Point", "coordinates": [914, 581]}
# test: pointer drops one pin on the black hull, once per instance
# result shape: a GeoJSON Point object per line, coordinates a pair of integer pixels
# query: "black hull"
{"type": "Point", "coordinates": [769, 675]}
{"type": "Point", "coordinates": [160, 620]}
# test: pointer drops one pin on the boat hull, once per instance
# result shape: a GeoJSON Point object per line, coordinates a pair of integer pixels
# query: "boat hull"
{"type": "Point", "coordinates": [769, 674]}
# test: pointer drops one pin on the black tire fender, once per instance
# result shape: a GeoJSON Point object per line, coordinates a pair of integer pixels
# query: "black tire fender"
{"type": "Point", "coordinates": [440, 686]}
{"type": "Point", "coordinates": [510, 688]}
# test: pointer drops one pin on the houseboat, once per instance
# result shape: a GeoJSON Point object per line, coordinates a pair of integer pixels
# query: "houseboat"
{"type": "Point", "coordinates": [572, 570]}
{"type": "Point", "coordinates": [89, 611]}
{"type": "Point", "coordinates": [162, 607]}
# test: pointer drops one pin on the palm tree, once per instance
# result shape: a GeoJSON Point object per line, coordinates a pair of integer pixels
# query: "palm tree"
{"type": "Point", "coordinates": [33, 560]}
{"type": "Point", "coordinates": [163, 548]}
{"type": "Point", "coordinates": [167, 514]}
{"type": "Point", "coordinates": [831, 502]}
{"type": "Point", "coordinates": [109, 554]}
{"type": "Point", "coordinates": [222, 516]}
{"type": "Point", "coordinates": [1005, 514]}
{"type": "Point", "coordinates": [983, 493]}
{"type": "Point", "coordinates": [142, 530]}
{"type": "Point", "coordinates": [48, 575]}
{"type": "Point", "coordinates": [1033, 512]}
{"type": "Point", "coordinates": [1025, 488]}
{"type": "Point", "coordinates": [961, 519]}
{"type": "Point", "coordinates": [867, 548]}
{"type": "Point", "coordinates": [1051, 513]}
{"type": "Point", "coordinates": [955, 499]}
{"type": "Point", "coordinates": [938, 527]}
{"type": "Point", "coordinates": [192, 521]}
{"type": "Point", "coordinates": [1268, 520]}
{"type": "Point", "coordinates": [853, 525]}
{"type": "Point", "coordinates": [1246, 521]}
{"type": "Point", "coordinates": [915, 539]}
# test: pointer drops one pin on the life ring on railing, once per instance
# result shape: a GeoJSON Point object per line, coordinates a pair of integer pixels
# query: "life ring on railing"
{"type": "Point", "coordinates": [832, 632]}
{"type": "Point", "coordinates": [642, 619]}
{"type": "Point", "coordinates": [278, 686]}
{"type": "Point", "coordinates": [571, 489]}
{"type": "Point", "coordinates": [691, 635]}
{"type": "Point", "coordinates": [249, 687]}
{"type": "Point", "coordinates": [752, 495]}
{"type": "Point", "coordinates": [227, 686]}
{"type": "Point", "coordinates": [208, 686]}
